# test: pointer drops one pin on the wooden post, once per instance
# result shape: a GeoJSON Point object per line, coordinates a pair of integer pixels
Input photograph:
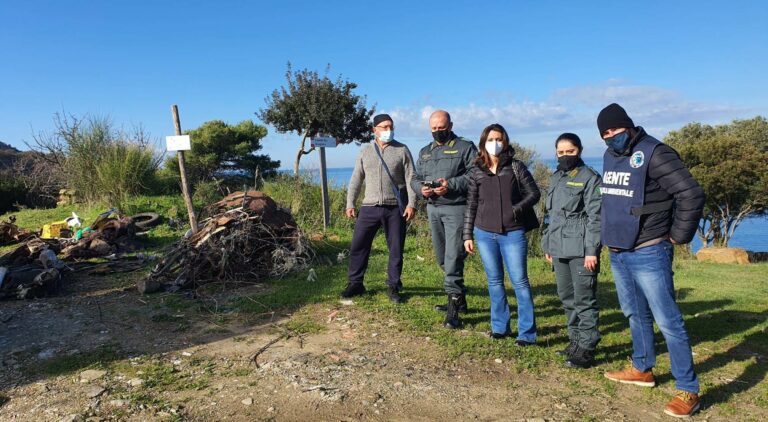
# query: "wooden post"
{"type": "Point", "coordinates": [324, 190]}
{"type": "Point", "coordinates": [183, 172]}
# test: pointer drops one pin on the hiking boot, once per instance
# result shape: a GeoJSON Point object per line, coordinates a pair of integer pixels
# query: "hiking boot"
{"type": "Point", "coordinates": [632, 375]}
{"type": "Point", "coordinates": [569, 349]}
{"type": "Point", "coordinates": [393, 293]}
{"type": "Point", "coordinates": [581, 358]}
{"type": "Point", "coordinates": [523, 343]}
{"type": "Point", "coordinates": [462, 304]}
{"type": "Point", "coordinates": [451, 320]}
{"type": "Point", "coordinates": [683, 405]}
{"type": "Point", "coordinates": [352, 290]}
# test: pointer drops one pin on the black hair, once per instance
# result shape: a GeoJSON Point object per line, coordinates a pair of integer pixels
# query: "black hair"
{"type": "Point", "coordinates": [572, 138]}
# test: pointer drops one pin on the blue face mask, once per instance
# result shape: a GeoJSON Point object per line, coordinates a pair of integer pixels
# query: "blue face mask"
{"type": "Point", "coordinates": [618, 142]}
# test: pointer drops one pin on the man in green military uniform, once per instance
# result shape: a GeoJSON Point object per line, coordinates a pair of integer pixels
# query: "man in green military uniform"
{"type": "Point", "coordinates": [571, 242]}
{"type": "Point", "coordinates": [441, 178]}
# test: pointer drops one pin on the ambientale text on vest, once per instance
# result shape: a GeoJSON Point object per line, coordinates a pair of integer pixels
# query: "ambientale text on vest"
{"type": "Point", "coordinates": [616, 178]}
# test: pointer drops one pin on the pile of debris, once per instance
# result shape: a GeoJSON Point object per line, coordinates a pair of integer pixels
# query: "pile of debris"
{"type": "Point", "coordinates": [36, 267]}
{"type": "Point", "coordinates": [245, 238]}
{"type": "Point", "coordinates": [11, 233]}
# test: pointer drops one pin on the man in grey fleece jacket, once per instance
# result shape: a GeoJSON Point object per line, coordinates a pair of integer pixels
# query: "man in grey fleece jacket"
{"type": "Point", "coordinates": [380, 208]}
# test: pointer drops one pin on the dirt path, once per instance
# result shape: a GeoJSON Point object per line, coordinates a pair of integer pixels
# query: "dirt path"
{"type": "Point", "coordinates": [164, 360]}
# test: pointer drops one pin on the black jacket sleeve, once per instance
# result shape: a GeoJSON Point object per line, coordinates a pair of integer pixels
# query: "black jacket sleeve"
{"type": "Point", "coordinates": [668, 170]}
{"type": "Point", "coordinates": [530, 191]}
{"type": "Point", "coordinates": [471, 211]}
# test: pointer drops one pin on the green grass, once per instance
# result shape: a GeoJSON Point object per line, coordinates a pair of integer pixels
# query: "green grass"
{"type": "Point", "coordinates": [100, 358]}
{"type": "Point", "coordinates": [725, 309]}
{"type": "Point", "coordinates": [303, 324]}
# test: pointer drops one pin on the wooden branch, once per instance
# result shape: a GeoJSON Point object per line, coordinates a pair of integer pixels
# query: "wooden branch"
{"type": "Point", "coordinates": [264, 348]}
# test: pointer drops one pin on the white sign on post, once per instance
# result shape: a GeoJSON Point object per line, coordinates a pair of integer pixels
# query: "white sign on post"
{"type": "Point", "coordinates": [324, 142]}
{"type": "Point", "coordinates": [178, 143]}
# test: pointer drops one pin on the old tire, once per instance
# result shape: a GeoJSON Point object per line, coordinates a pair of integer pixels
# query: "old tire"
{"type": "Point", "coordinates": [146, 220]}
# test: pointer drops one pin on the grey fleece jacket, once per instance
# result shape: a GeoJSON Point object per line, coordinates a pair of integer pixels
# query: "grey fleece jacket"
{"type": "Point", "coordinates": [378, 188]}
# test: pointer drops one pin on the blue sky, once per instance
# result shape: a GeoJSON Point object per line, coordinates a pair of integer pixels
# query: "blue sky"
{"type": "Point", "coordinates": [539, 68]}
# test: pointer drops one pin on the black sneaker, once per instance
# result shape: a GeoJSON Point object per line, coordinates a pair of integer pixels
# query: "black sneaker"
{"type": "Point", "coordinates": [581, 358]}
{"type": "Point", "coordinates": [352, 290]}
{"type": "Point", "coordinates": [451, 320]}
{"type": "Point", "coordinates": [394, 294]}
{"type": "Point", "coordinates": [499, 336]}
{"type": "Point", "coordinates": [462, 304]}
{"type": "Point", "coordinates": [568, 351]}
{"type": "Point", "coordinates": [523, 343]}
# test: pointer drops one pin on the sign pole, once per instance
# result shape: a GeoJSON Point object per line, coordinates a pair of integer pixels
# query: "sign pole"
{"type": "Point", "coordinates": [183, 172]}
{"type": "Point", "coordinates": [324, 190]}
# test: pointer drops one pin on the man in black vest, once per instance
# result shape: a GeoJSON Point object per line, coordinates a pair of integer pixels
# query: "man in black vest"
{"type": "Point", "coordinates": [650, 202]}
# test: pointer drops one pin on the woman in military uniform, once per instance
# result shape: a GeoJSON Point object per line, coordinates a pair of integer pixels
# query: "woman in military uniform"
{"type": "Point", "coordinates": [571, 242]}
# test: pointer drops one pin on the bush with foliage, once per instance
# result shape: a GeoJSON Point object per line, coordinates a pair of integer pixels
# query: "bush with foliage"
{"type": "Point", "coordinates": [222, 150]}
{"type": "Point", "coordinates": [304, 199]}
{"type": "Point", "coordinates": [730, 162]}
{"type": "Point", "coordinates": [11, 193]}
{"type": "Point", "coordinates": [98, 160]}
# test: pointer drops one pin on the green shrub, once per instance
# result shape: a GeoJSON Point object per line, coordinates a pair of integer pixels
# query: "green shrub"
{"type": "Point", "coordinates": [100, 161]}
{"type": "Point", "coordinates": [11, 193]}
{"type": "Point", "coordinates": [207, 193]}
{"type": "Point", "coordinates": [123, 170]}
{"type": "Point", "coordinates": [304, 199]}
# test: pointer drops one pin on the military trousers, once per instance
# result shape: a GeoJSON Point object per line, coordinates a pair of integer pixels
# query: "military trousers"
{"type": "Point", "coordinates": [445, 224]}
{"type": "Point", "coordinates": [577, 288]}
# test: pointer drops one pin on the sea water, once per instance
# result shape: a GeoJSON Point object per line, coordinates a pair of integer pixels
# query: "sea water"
{"type": "Point", "coordinates": [752, 233]}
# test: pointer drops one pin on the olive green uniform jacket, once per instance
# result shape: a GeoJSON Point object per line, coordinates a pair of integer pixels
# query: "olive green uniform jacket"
{"type": "Point", "coordinates": [451, 161]}
{"type": "Point", "coordinates": [573, 209]}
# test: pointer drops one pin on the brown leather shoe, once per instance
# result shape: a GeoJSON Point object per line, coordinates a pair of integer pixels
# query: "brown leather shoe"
{"type": "Point", "coordinates": [632, 375]}
{"type": "Point", "coordinates": [683, 405]}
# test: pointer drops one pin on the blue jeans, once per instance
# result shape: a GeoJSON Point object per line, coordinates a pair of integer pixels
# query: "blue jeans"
{"type": "Point", "coordinates": [646, 293]}
{"type": "Point", "coordinates": [510, 249]}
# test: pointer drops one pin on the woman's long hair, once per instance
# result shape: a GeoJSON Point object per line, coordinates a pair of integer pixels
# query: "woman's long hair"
{"type": "Point", "coordinates": [483, 158]}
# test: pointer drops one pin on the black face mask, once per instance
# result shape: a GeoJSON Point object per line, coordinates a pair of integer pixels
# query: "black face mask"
{"type": "Point", "coordinates": [442, 136]}
{"type": "Point", "coordinates": [568, 162]}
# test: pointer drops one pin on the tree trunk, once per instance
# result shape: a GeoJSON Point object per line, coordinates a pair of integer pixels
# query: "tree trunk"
{"type": "Point", "coordinates": [298, 159]}
{"type": "Point", "coordinates": [301, 152]}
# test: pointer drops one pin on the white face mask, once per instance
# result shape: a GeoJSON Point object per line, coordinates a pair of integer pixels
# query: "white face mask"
{"type": "Point", "coordinates": [386, 136]}
{"type": "Point", "coordinates": [493, 147]}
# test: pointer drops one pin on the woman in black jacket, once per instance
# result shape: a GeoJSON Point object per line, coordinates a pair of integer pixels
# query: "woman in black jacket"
{"type": "Point", "coordinates": [501, 193]}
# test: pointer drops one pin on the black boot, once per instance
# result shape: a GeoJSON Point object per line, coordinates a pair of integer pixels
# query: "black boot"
{"type": "Point", "coordinates": [393, 292]}
{"type": "Point", "coordinates": [568, 351]}
{"type": "Point", "coordinates": [462, 304]}
{"type": "Point", "coordinates": [581, 358]}
{"type": "Point", "coordinates": [452, 314]}
{"type": "Point", "coordinates": [352, 290]}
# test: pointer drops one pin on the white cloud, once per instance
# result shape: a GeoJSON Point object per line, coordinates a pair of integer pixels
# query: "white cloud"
{"type": "Point", "coordinates": [537, 123]}
{"type": "Point", "coordinates": [572, 108]}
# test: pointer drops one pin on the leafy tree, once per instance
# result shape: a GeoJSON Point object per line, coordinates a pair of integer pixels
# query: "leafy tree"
{"type": "Point", "coordinates": [219, 147]}
{"type": "Point", "coordinates": [730, 162]}
{"type": "Point", "coordinates": [311, 104]}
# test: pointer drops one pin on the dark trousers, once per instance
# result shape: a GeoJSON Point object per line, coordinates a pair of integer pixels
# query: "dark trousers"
{"type": "Point", "coordinates": [577, 288]}
{"type": "Point", "coordinates": [368, 222]}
